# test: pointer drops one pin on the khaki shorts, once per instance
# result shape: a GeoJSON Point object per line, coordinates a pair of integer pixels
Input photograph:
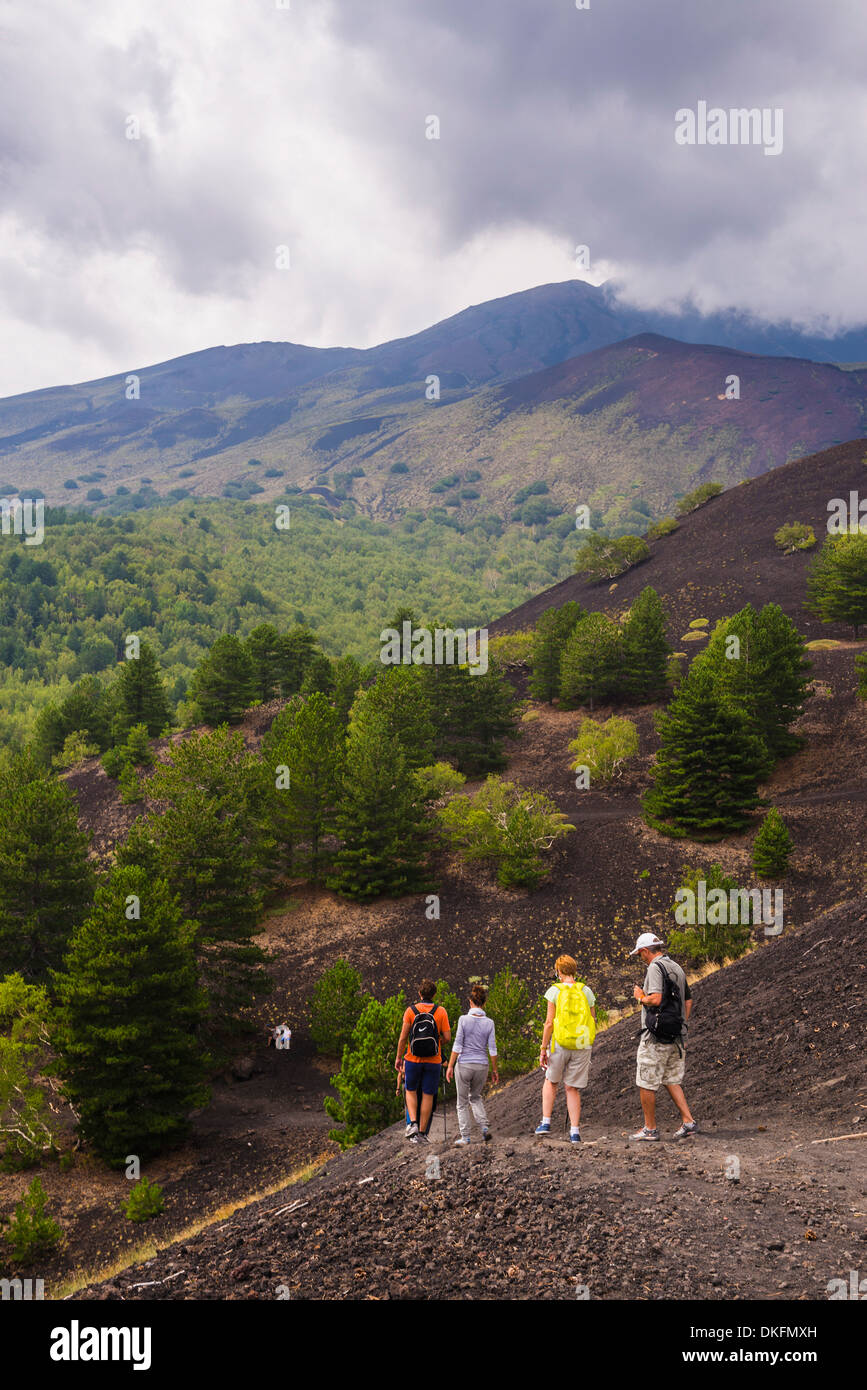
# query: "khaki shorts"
{"type": "Point", "coordinates": [659, 1064]}
{"type": "Point", "coordinates": [572, 1068]}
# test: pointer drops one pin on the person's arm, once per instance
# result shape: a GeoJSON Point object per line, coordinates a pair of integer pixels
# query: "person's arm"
{"type": "Point", "coordinates": [456, 1051]}
{"type": "Point", "coordinates": [492, 1053]}
{"type": "Point", "coordinates": [401, 1044]}
{"type": "Point", "coordinates": [546, 1033]}
{"type": "Point", "coordinates": [687, 1004]}
{"type": "Point", "coordinates": [648, 1000]}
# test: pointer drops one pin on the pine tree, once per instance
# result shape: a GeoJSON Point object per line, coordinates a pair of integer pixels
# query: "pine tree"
{"type": "Point", "coordinates": [349, 677]}
{"type": "Point", "coordinates": [772, 847]}
{"type": "Point", "coordinates": [139, 696]}
{"type": "Point", "coordinates": [764, 674]}
{"type": "Point", "coordinates": [269, 661]}
{"type": "Point", "coordinates": [708, 768]}
{"type": "Point", "coordinates": [208, 844]}
{"type": "Point", "coordinates": [837, 581]}
{"type": "Point", "coordinates": [302, 757]}
{"type": "Point", "coordinates": [367, 1099]}
{"type": "Point", "coordinates": [46, 881]}
{"type": "Point", "coordinates": [401, 695]}
{"type": "Point", "coordinates": [645, 649]}
{"type": "Point", "coordinates": [222, 685]}
{"type": "Point", "coordinates": [380, 818]}
{"type": "Point", "coordinates": [472, 715]}
{"type": "Point", "coordinates": [337, 1004]}
{"type": "Point", "coordinates": [591, 666]}
{"type": "Point", "coordinates": [549, 639]}
{"type": "Point", "coordinates": [129, 1012]}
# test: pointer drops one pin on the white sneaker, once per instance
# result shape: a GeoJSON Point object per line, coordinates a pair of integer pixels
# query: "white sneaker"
{"type": "Point", "coordinates": [459, 1143]}
{"type": "Point", "coordinates": [411, 1130]}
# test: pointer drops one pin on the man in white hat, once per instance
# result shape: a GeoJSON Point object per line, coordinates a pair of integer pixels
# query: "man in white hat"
{"type": "Point", "coordinates": [665, 1007]}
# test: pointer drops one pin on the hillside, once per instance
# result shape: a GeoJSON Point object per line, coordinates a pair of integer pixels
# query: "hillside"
{"type": "Point", "coordinates": [551, 385]}
{"type": "Point", "coordinates": [611, 878]}
{"type": "Point", "coordinates": [775, 1063]}
{"type": "Point", "coordinates": [723, 556]}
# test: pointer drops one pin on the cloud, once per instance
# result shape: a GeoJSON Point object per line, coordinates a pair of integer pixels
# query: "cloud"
{"type": "Point", "coordinates": [262, 127]}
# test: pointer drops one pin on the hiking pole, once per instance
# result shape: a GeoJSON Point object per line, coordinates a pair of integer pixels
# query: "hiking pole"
{"type": "Point", "coordinates": [445, 1130]}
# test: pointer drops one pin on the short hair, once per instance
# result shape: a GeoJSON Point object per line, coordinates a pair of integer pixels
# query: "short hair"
{"type": "Point", "coordinates": [567, 965]}
{"type": "Point", "coordinates": [426, 991]}
{"type": "Point", "coordinates": [478, 996]}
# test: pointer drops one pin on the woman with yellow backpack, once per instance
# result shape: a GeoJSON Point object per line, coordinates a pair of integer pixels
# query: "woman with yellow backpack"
{"type": "Point", "coordinates": [572, 1021]}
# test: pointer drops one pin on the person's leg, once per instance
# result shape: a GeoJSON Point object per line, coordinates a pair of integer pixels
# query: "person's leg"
{"type": "Point", "coordinates": [648, 1106]}
{"type": "Point", "coordinates": [477, 1085]}
{"type": "Point", "coordinates": [573, 1105]}
{"type": "Point", "coordinates": [676, 1093]}
{"type": "Point", "coordinates": [411, 1091]}
{"type": "Point", "coordinates": [426, 1111]}
{"type": "Point", "coordinates": [462, 1081]}
{"type": "Point", "coordinates": [549, 1094]}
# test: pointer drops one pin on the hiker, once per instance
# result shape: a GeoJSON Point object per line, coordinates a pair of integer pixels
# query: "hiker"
{"type": "Point", "coordinates": [572, 1021]}
{"type": "Point", "coordinates": [666, 1005]}
{"type": "Point", "coordinates": [425, 1027]}
{"type": "Point", "coordinates": [475, 1041]}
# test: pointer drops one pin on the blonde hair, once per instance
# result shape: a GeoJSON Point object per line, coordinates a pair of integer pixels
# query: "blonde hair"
{"type": "Point", "coordinates": [566, 965]}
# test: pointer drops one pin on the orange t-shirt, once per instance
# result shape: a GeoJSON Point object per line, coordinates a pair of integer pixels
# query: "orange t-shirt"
{"type": "Point", "coordinates": [441, 1019]}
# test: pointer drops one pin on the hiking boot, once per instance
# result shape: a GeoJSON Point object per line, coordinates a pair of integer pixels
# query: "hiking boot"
{"type": "Point", "coordinates": [645, 1133]}
{"type": "Point", "coordinates": [686, 1130]}
{"type": "Point", "coordinates": [543, 1128]}
{"type": "Point", "coordinates": [421, 1138]}
{"type": "Point", "coordinates": [486, 1135]}
{"type": "Point", "coordinates": [574, 1138]}
{"type": "Point", "coordinates": [411, 1130]}
{"type": "Point", "coordinates": [460, 1142]}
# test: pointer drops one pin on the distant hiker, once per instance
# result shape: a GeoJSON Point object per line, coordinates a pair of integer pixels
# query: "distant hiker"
{"type": "Point", "coordinates": [572, 1021]}
{"type": "Point", "coordinates": [425, 1027]}
{"type": "Point", "coordinates": [280, 1037]}
{"type": "Point", "coordinates": [474, 1042]}
{"type": "Point", "coordinates": [666, 1005]}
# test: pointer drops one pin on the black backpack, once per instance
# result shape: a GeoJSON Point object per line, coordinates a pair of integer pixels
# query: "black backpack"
{"type": "Point", "coordinates": [664, 1021]}
{"type": "Point", "coordinates": [424, 1035]}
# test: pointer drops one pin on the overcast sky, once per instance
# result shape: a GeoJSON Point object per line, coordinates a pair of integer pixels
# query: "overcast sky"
{"type": "Point", "coordinates": [304, 127]}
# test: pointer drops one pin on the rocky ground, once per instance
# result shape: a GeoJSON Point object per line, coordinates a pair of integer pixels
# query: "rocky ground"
{"type": "Point", "coordinates": [753, 1207]}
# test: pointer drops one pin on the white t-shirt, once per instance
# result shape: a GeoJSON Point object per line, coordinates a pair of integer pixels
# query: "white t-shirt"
{"type": "Point", "coordinates": [552, 993]}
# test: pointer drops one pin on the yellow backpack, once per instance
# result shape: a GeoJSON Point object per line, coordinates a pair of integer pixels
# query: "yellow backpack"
{"type": "Point", "coordinates": [574, 1027]}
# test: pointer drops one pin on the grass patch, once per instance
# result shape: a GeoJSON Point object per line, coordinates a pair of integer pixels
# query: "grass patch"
{"type": "Point", "coordinates": [81, 1278]}
{"type": "Point", "coordinates": [823, 644]}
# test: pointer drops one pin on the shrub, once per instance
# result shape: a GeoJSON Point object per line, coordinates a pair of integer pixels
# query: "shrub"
{"type": "Point", "coordinates": [692, 500]}
{"type": "Point", "coordinates": [75, 749]}
{"type": "Point", "coordinates": [861, 673]}
{"type": "Point", "coordinates": [508, 826]}
{"type": "Point", "coordinates": [367, 1099]}
{"type": "Point", "coordinates": [71, 485]}
{"type": "Point", "coordinates": [605, 557]}
{"type": "Point", "coordinates": [438, 780]}
{"type": "Point", "coordinates": [709, 942]}
{"type": "Point", "coordinates": [663, 527]}
{"type": "Point", "coordinates": [518, 1020]}
{"type": "Point", "coordinates": [398, 468]}
{"type": "Point", "coordinates": [512, 649]}
{"type": "Point", "coordinates": [337, 1004]}
{"type": "Point", "coordinates": [795, 535]}
{"type": "Point", "coordinates": [772, 847]}
{"type": "Point", "coordinates": [145, 1201]}
{"type": "Point", "coordinates": [25, 1121]}
{"type": "Point", "coordinates": [604, 748]}
{"type": "Point", "coordinates": [31, 1231]}
{"type": "Point", "coordinates": [94, 494]}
